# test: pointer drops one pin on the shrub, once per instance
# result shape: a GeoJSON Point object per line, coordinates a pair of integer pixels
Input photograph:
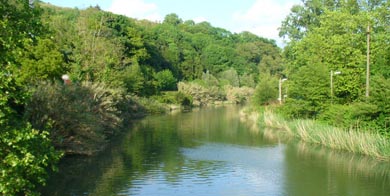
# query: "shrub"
{"type": "Point", "coordinates": [183, 99]}
{"type": "Point", "coordinates": [238, 94]}
{"type": "Point", "coordinates": [201, 95]}
{"type": "Point", "coordinates": [151, 106]}
{"type": "Point", "coordinates": [165, 80]}
{"type": "Point", "coordinates": [266, 91]}
{"type": "Point", "coordinates": [359, 115]}
{"type": "Point", "coordinates": [78, 117]}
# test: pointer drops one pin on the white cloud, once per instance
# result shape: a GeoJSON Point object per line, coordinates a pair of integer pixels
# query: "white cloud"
{"type": "Point", "coordinates": [263, 18]}
{"type": "Point", "coordinates": [136, 9]}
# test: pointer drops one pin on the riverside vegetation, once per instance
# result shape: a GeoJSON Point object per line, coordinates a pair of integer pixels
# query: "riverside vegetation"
{"type": "Point", "coordinates": [316, 132]}
{"type": "Point", "coordinates": [340, 115]}
{"type": "Point", "coordinates": [122, 68]}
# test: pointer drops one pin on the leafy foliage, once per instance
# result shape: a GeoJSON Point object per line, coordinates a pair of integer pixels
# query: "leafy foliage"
{"type": "Point", "coordinates": [266, 90]}
{"type": "Point", "coordinates": [25, 154]}
{"type": "Point", "coordinates": [319, 46]}
{"type": "Point", "coordinates": [165, 80]}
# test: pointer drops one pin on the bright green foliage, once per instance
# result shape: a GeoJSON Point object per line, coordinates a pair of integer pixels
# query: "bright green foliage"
{"type": "Point", "coordinates": [319, 45]}
{"type": "Point", "coordinates": [172, 19]}
{"type": "Point", "coordinates": [165, 80]}
{"type": "Point", "coordinates": [42, 62]}
{"type": "Point", "coordinates": [216, 58]}
{"type": "Point", "coordinates": [229, 77]}
{"type": "Point", "coordinates": [248, 80]}
{"type": "Point", "coordinates": [308, 91]}
{"type": "Point", "coordinates": [266, 90]}
{"type": "Point", "coordinates": [18, 23]}
{"type": "Point", "coordinates": [350, 116]}
{"type": "Point", "coordinates": [25, 154]}
{"type": "Point", "coordinates": [133, 79]}
{"type": "Point", "coordinates": [11, 99]}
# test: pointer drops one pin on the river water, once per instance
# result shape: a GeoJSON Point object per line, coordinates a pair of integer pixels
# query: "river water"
{"type": "Point", "coordinates": [212, 152]}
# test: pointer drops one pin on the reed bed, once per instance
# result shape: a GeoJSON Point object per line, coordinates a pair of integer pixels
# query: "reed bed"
{"type": "Point", "coordinates": [311, 131]}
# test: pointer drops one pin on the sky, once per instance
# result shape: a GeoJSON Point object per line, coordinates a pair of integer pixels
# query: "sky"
{"type": "Point", "coordinates": [261, 17]}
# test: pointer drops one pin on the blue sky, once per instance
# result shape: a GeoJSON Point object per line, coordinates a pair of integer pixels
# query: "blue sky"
{"type": "Point", "coordinates": [261, 17]}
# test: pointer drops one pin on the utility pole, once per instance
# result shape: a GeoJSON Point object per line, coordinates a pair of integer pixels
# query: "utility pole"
{"type": "Point", "coordinates": [368, 63]}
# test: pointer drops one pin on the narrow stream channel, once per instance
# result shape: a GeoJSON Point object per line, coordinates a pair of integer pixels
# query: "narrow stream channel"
{"type": "Point", "coordinates": [212, 152]}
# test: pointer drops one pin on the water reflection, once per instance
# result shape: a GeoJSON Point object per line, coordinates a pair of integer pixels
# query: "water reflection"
{"type": "Point", "coordinates": [334, 172]}
{"type": "Point", "coordinates": [212, 152]}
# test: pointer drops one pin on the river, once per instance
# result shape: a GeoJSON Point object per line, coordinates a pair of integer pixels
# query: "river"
{"type": "Point", "coordinates": [212, 152]}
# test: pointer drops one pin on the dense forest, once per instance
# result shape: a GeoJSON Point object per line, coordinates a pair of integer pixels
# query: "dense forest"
{"type": "Point", "coordinates": [122, 68]}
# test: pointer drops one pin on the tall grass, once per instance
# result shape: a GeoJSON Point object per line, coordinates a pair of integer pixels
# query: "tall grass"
{"type": "Point", "coordinates": [82, 117]}
{"type": "Point", "coordinates": [311, 131]}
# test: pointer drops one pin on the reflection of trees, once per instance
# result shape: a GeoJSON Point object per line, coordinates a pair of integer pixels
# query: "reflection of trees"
{"type": "Point", "coordinates": [314, 170]}
{"type": "Point", "coordinates": [154, 144]}
{"type": "Point", "coordinates": [220, 125]}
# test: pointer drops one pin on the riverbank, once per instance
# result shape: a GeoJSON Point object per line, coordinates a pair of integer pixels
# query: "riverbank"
{"type": "Point", "coordinates": [311, 131]}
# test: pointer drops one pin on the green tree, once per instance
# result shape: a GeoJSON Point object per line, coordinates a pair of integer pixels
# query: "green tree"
{"type": "Point", "coordinates": [172, 19]}
{"type": "Point", "coordinates": [165, 80]}
{"type": "Point", "coordinates": [339, 47]}
{"type": "Point", "coordinates": [266, 91]}
{"type": "Point", "coordinates": [308, 91]}
{"type": "Point", "coordinates": [42, 61]}
{"type": "Point", "coordinates": [133, 79]}
{"type": "Point", "coordinates": [229, 77]}
{"type": "Point", "coordinates": [323, 46]}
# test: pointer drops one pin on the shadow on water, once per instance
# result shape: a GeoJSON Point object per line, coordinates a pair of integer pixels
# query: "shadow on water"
{"type": "Point", "coordinates": [211, 152]}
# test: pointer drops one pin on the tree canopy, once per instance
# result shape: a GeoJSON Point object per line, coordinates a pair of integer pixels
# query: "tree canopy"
{"type": "Point", "coordinates": [328, 36]}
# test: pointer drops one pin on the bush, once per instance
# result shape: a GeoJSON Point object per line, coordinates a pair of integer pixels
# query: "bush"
{"type": "Point", "coordinates": [184, 100]}
{"type": "Point", "coordinates": [201, 95]}
{"type": "Point", "coordinates": [238, 94]}
{"type": "Point", "coordinates": [151, 106]}
{"type": "Point", "coordinates": [165, 80]}
{"type": "Point", "coordinates": [79, 117]}
{"type": "Point", "coordinates": [266, 91]}
{"type": "Point", "coordinates": [357, 115]}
